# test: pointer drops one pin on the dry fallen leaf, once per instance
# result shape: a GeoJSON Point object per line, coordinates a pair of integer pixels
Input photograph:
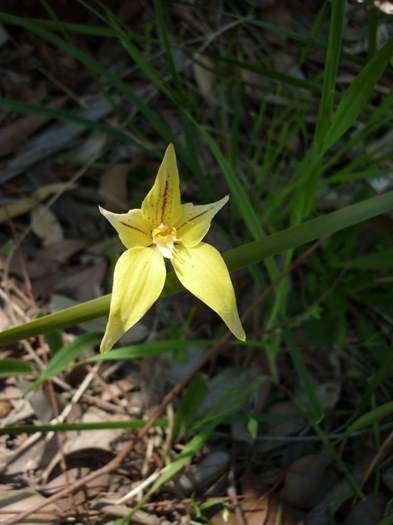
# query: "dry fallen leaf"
{"type": "Point", "coordinates": [262, 510]}
{"type": "Point", "coordinates": [307, 480]}
{"type": "Point", "coordinates": [46, 226]}
{"type": "Point", "coordinates": [14, 134]}
{"type": "Point", "coordinates": [89, 492]}
{"type": "Point", "coordinates": [62, 250]}
{"type": "Point", "coordinates": [21, 206]}
{"type": "Point", "coordinates": [203, 67]}
{"type": "Point", "coordinates": [113, 188]}
{"type": "Point", "coordinates": [83, 283]}
{"type": "Point", "coordinates": [21, 500]}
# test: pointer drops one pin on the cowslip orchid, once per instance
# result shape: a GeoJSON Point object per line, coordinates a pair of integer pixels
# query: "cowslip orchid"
{"type": "Point", "coordinates": [163, 228]}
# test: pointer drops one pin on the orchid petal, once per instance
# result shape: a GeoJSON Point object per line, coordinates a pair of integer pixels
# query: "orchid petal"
{"type": "Point", "coordinates": [202, 270]}
{"type": "Point", "coordinates": [138, 281]}
{"type": "Point", "coordinates": [132, 227]}
{"type": "Point", "coordinates": [195, 221]}
{"type": "Point", "coordinates": [162, 204]}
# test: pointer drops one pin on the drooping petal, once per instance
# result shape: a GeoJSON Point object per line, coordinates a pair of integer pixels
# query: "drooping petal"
{"type": "Point", "coordinates": [132, 227]}
{"type": "Point", "coordinates": [162, 204]}
{"type": "Point", "coordinates": [138, 281]}
{"type": "Point", "coordinates": [203, 272]}
{"type": "Point", "coordinates": [195, 221]}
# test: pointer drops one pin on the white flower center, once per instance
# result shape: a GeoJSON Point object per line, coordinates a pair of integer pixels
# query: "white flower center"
{"type": "Point", "coordinates": [164, 238]}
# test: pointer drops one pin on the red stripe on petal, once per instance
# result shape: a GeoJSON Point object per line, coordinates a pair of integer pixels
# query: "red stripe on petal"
{"type": "Point", "coordinates": [134, 228]}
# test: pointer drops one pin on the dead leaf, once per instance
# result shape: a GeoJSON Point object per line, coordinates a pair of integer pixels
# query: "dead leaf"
{"type": "Point", "coordinates": [282, 427]}
{"type": "Point", "coordinates": [61, 251]}
{"type": "Point", "coordinates": [14, 134]}
{"type": "Point", "coordinates": [45, 225]}
{"type": "Point", "coordinates": [87, 493]}
{"type": "Point", "coordinates": [113, 188]}
{"type": "Point", "coordinates": [83, 283]}
{"type": "Point", "coordinates": [262, 510]}
{"type": "Point", "coordinates": [3, 35]}
{"type": "Point", "coordinates": [95, 439]}
{"type": "Point", "coordinates": [22, 500]}
{"type": "Point", "coordinates": [21, 206]}
{"type": "Point", "coordinates": [197, 478]}
{"type": "Point", "coordinates": [203, 71]}
{"type": "Point", "coordinates": [307, 480]}
{"type": "Point", "coordinates": [5, 408]}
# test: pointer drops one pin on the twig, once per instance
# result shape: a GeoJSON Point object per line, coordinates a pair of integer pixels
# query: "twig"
{"type": "Point", "coordinates": [234, 497]}
{"type": "Point", "coordinates": [136, 490]}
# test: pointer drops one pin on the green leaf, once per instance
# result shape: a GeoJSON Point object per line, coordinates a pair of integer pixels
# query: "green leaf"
{"type": "Point", "coordinates": [69, 427]}
{"type": "Point", "coordinates": [382, 260]}
{"type": "Point", "coordinates": [331, 68]}
{"type": "Point", "coordinates": [10, 366]}
{"type": "Point", "coordinates": [149, 349]}
{"type": "Point", "coordinates": [357, 95]}
{"type": "Point", "coordinates": [54, 340]}
{"type": "Point", "coordinates": [372, 417]}
{"type": "Point", "coordinates": [64, 357]}
{"type": "Point", "coordinates": [297, 358]}
{"type": "Point", "coordinates": [189, 405]}
{"type": "Point", "coordinates": [386, 521]}
{"type": "Point", "coordinates": [237, 258]}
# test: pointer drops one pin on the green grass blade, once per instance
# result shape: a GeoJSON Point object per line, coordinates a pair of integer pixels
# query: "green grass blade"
{"type": "Point", "coordinates": [237, 258]}
{"type": "Point", "coordinates": [188, 406]}
{"type": "Point", "coordinates": [370, 418]}
{"type": "Point", "coordinates": [298, 361]}
{"type": "Point", "coordinates": [331, 67]}
{"type": "Point", "coordinates": [10, 366]}
{"type": "Point", "coordinates": [149, 349]}
{"type": "Point", "coordinates": [64, 357]}
{"type": "Point", "coordinates": [357, 95]}
{"type": "Point", "coordinates": [69, 427]}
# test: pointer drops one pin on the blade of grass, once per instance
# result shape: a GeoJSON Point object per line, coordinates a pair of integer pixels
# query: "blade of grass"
{"type": "Point", "coordinates": [69, 427]}
{"type": "Point", "coordinates": [148, 349]}
{"type": "Point", "coordinates": [298, 361]}
{"type": "Point", "coordinates": [336, 29]}
{"type": "Point", "coordinates": [370, 418]}
{"type": "Point", "coordinates": [188, 407]}
{"type": "Point", "coordinates": [357, 95]}
{"type": "Point", "coordinates": [62, 359]}
{"type": "Point", "coordinates": [10, 366]}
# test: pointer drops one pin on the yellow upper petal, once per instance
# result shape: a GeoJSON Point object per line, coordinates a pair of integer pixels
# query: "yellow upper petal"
{"type": "Point", "coordinates": [138, 281]}
{"type": "Point", "coordinates": [195, 221]}
{"type": "Point", "coordinates": [162, 204]}
{"type": "Point", "coordinates": [132, 227]}
{"type": "Point", "coordinates": [203, 272]}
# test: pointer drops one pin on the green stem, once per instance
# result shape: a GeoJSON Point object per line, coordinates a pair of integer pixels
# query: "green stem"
{"type": "Point", "coordinates": [237, 258]}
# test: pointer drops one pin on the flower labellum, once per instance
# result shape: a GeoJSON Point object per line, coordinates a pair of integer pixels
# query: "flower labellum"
{"type": "Point", "coordinates": [165, 228]}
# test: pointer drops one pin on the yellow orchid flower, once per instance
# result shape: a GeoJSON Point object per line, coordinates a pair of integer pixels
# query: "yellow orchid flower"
{"type": "Point", "coordinates": [165, 228]}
